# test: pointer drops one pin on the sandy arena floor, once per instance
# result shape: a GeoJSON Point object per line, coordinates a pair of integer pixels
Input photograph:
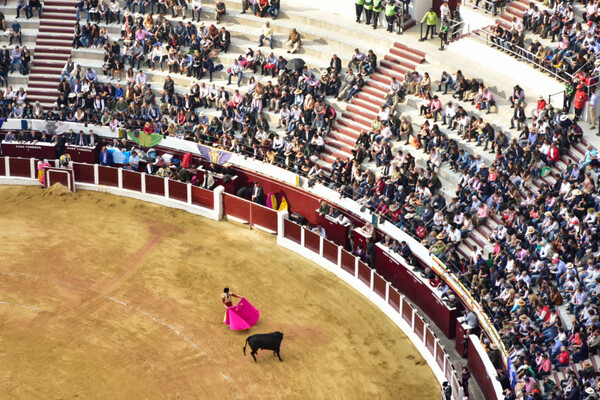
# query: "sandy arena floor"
{"type": "Point", "coordinates": [103, 297]}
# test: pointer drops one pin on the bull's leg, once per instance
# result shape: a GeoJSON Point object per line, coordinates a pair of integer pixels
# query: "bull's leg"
{"type": "Point", "coordinates": [253, 355]}
{"type": "Point", "coordinates": [277, 351]}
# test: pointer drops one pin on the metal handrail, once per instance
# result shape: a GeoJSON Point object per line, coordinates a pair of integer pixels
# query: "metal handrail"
{"type": "Point", "coordinates": [520, 55]}
{"type": "Point", "coordinates": [489, 4]}
{"type": "Point", "coordinates": [554, 94]}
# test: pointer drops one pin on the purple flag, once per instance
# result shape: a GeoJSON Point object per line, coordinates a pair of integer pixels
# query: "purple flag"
{"type": "Point", "coordinates": [214, 155]}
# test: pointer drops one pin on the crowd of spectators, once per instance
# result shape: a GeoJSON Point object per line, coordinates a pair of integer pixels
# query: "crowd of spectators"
{"type": "Point", "coordinates": [540, 255]}
{"type": "Point", "coordinates": [574, 57]}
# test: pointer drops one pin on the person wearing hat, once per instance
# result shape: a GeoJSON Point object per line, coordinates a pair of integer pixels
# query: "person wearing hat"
{"type": "Point", "coordinates": [431, 19]}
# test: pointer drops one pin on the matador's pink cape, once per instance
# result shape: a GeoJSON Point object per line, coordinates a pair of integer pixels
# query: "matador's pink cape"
{"type": "Point", "coordinates": [241, 316]}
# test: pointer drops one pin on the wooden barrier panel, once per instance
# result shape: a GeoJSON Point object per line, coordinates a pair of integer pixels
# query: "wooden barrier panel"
{"type": "Point", "coordinates": [155, 185]}
{"type": "Point", "coordinates": [348, 262]}
{"type": "Point", "coordinates": [108, 176]}
{"type": "Point", "coordinates": [292, 230]}
{"type": "Point", "coordinates": [84, 173]}
{"type": "Point", "coordinates": [132, 180]}
{"type": "Point", "coordinates": [455, 384]}
{"type": "Point", "coordinates": [59, 175]}
{"type": "Point", "coordinates": [440, 356]}
{"type": "Point", "coordinates": [20, 167]}
{"type": "Point", "coordinates": [394, 299]}
{"type": "Point", "coordinates": [480, 373]}
{"type": "Point", "coordinates": [379, 285]}
{"type": "Point", "coordinates": [236, 207]}
{"type": "Point", "coordinates": [312, 241]}
{"type": "Point", "coordinates": [419, 326]}
{"type": "Point", "coordinates": [264, 217]}
{"type": "Point", "coordinates": [430, 340]}
{"type": "Point", "coordinates": [407, 312]}
{"type": "Point", "coordinates": [364, 273]}
{"type": "Point", "coordinates": [330, 251]}
{"type": "Point", "coordinates": [203, 197]}
{"type": "Point", "coordinates": [177, 190]}
{"type": "Point", "coordinates": [2, 166]}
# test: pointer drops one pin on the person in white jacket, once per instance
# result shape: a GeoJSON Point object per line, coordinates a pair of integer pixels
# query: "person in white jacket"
{"type": "Point", "coordinates": [114, 12]}
{"type": "Point", "coordinates": [266, 32]}
{"type": "Point", "coordinates": [196, 8]}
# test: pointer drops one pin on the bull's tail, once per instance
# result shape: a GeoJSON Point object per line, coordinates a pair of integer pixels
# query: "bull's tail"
{"type": "Point", "coordinates": [246, 344]}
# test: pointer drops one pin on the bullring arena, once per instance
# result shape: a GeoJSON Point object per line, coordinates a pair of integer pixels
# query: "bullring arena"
{"type": "Point", "coordinates": [406, 190]}
{"type": "Point", "coordinates": [107, 297]}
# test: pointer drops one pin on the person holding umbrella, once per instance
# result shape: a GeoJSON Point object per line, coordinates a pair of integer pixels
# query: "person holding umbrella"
{"type": "Point", "coordinates": [295, 64]}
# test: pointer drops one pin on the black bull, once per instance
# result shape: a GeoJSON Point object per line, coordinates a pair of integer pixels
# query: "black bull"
{"type": "Point", "coordinates": [264, 341]}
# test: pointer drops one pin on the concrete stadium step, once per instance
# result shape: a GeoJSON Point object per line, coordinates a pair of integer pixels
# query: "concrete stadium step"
{"type": "Point", "coordinates": [350, 133]}
{"type": "Point", "coordinates": [358, 109]}
{"type": "Point", "coordinates": [343, 146]}
{"type": "Point", "coordinates": [397, 69]}
{"type": "Point", "coordinates": [359, 103]}
{"type": "Point", "coordinates": [359, 119]}
{"type": "Point", "coordinates": [396, 60]}
{"type": "Point", "coordinates": [341, 137]}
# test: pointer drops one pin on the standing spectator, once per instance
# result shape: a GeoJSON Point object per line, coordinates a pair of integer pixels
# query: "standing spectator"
{"type": "Point", "coordinates": [257, 193]}
{"type": "Point", "coordinates": [466, 375]}
{"type": "Point", "coordinates": [390, 15]}
{"type": "Point", "coordinates": [359, 9]}
{"type": "Point", "coordinates": [293, 43]}
{"type": "Point", "coordinates": [445, 10]}
{"type": "Point", "coordinates": [568, 96]}
{"type": "Point", "coordinates": [431, 19]}
{"type": "Point", "coordinates": [377, 7]}
{"type": "Point", "coordinates": [368, 7]}
{"type": "Point", "coordinates": [579, 101]}
{"type": "Point", "coordinates": [592, 106]}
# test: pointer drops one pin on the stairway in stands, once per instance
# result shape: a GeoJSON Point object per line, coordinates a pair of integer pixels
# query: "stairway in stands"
{"type": "Point", "coordinates": [365, 105]}
{"type": "Point", "coordinates": [515, 9]}
{"type": "Point", "coordinates": [52, 48]}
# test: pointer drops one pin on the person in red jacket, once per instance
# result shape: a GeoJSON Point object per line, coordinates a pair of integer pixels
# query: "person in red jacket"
{"type": "Point", "coordinates": [553, 155]}
{"type": "Point", "coordinates": [563, 358]}
{"type": "Point", "coordinates": [579, 101]}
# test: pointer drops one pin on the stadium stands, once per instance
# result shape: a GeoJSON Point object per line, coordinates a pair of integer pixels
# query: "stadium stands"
{"type": "Point", "coordinates": [511, 211]}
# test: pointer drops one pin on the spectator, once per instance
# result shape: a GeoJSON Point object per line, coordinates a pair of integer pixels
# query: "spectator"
{"type": "Point", "coordinates": [293, 43]}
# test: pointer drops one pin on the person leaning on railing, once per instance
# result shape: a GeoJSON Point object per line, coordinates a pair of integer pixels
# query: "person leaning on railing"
{"type": "Point", "coordinates": [431, 20]}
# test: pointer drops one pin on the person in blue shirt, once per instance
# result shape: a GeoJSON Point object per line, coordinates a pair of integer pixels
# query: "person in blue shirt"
{"type": "Point", "coordinates": [15, 32]}
{"type": "Point", "coordinates": [16, 59]}
{"type": "Point", "coordinates": [134, 161]}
